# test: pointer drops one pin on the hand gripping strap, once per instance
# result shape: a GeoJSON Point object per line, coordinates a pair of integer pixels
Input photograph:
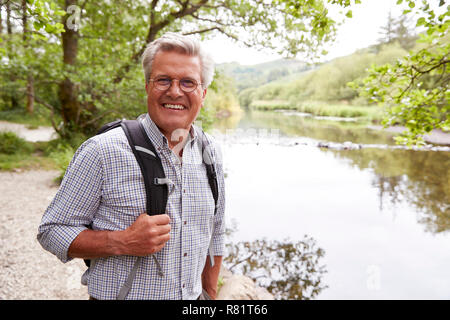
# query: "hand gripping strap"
{"type": "Point", "coordinates": [152, 170]}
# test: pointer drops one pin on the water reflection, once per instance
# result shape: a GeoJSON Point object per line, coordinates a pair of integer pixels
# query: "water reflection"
{"type": "Point", "coordinates": [287, 269]}
{"type": "Point", "coordinates": [421, 178]}
{"type": "Point", "coordinates": [334, 131]}
{"type": "Point", "coordinates": [381, 215]}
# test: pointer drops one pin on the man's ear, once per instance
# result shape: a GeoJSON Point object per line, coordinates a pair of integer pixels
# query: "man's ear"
{"type": "Point", "coordinates": [203, 98]}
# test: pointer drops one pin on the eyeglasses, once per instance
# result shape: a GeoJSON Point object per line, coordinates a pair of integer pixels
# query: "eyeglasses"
{"type": "Point", "coordinates": [186, 84]}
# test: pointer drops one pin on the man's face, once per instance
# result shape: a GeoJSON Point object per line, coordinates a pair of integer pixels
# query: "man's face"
{"type": "Point", "coordinates": [161, 103]}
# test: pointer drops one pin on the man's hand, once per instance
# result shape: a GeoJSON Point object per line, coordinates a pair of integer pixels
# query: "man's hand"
{"type": "Point", "coordinates": [147, 235]}
{"type": "Point", "coordinates": [210, 275]}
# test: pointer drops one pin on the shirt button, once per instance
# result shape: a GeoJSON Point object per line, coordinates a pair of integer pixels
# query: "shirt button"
{"type": "Point", "coordinates": [185, 254]}
{"type": "Point", "coordinates": [185, 222]}
{"type": "Point", "coordinates": [184, 190]}
{"type": "Point", "coordinates": [183, 285]}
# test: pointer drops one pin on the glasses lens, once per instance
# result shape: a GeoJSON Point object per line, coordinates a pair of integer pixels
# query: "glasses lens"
{"type": "Point", "coordinates": [188, 84]}
{"type": "Point", "coordinates": [163, 83]}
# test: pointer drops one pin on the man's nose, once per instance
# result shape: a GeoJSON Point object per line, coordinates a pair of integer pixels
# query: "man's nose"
{"type": "Point", "coordinates": [174, 89]}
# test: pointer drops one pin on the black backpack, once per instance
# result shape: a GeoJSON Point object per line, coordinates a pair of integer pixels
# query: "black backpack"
{"type": "Point", "coordinates": [151, 166]}
{"type": "Point", "coordinates": [154, 176]}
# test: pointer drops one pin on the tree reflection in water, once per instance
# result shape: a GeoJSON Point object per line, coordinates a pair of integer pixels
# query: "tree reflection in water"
{"type": "Point", "coordinates": [288, 270]}
{"type": "Point", "coordinates": [422, 178]}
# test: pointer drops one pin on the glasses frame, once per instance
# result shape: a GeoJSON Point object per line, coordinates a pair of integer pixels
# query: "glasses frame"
{"type": "Point", "coordinates": [171, 83]}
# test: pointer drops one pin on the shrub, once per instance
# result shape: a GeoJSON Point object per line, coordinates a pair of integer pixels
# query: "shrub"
{"type": "Point", "coordinates": [10, 143]}
{"type": "Point", "coordinates": [62, 155]}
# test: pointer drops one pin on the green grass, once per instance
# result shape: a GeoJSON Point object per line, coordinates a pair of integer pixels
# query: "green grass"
{"type": "Point", "coordinates": [270, 105]}
{"type": "Point", "coordinates": [25, 162]}
{"type": "Point", "coordinates": [369, 113]}
{"type": "Point", "coordinates": [61, 154]}
{"type": "Point", "coordinates": [11, 144]}
{"type": "Point", "coordinates": [16, 153]}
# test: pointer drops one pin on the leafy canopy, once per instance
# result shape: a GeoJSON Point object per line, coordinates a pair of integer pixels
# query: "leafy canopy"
{"type": "Point", "coordinates": [415, 89]}
{"type": "Point", "coordinates": [91, 72]}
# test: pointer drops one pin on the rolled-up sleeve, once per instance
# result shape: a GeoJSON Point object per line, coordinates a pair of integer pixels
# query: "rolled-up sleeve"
{"type": "Point", "coordinates": [73, 208]}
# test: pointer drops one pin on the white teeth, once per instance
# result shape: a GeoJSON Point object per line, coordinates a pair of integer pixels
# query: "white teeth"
{"type": "Point", "coordinates": [173, 106]}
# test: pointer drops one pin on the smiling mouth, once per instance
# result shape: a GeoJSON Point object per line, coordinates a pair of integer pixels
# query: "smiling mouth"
{"type": "Point", "coordinates": [174, 106]}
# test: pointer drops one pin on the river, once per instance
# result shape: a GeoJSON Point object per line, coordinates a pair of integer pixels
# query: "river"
{"type": "Point", "coordinates": [380, 212]}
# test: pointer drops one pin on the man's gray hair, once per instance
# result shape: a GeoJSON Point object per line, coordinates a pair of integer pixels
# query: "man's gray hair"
{"type": "Point", "coordinates": [171, 41]}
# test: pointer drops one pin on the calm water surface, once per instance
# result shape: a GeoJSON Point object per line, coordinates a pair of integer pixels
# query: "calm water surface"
{"type": "Point", "coordinates": [381, 215]}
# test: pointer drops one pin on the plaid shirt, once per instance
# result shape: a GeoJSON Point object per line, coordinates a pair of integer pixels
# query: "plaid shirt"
{"type": "Point", "coordinates": [103, 188]}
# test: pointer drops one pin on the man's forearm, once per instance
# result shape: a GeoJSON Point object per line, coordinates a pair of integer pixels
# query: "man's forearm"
{"type": "Point", "coordinates": [210, 276]}
{"type": "Point", "coordinates": [147, 235]}
{"type": "Point", "coordinates": [91, 244]}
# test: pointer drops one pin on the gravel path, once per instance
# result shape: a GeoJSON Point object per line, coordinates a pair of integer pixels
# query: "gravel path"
{"type": "Point", "coordinates": [38, 134]}
{"type": "Point", "coordinates": [27, 271]}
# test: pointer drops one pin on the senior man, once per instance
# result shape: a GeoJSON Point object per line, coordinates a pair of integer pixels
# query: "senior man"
{"type": "Point", "coordinates": [99, 212]}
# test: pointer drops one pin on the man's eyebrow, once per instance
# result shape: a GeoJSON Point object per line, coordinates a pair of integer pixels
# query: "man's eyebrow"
{"type": "Point", "coordinates": [167, 76]}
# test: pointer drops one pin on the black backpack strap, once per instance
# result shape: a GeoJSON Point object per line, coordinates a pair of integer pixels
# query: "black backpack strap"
{"type": "Point", "coordinates": [109, 126]}
{"type": "Point", "coordinates": [156, 192]}
{"type": "Point", "coordinates": [152, 171]}
{"type": "Point", "coordinates": [211, 172]}
{"type": "Point", "coordinates": [210, 168]}
{"type": "Point", "coordinates": [150, 164]}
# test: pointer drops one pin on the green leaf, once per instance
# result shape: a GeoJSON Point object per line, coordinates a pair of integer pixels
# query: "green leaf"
{"type": "Point", "coordinates": [349, 14]}
{"type": "Point", "coordinates": [38, 25]}
{"type": "Point", "coordinates": [420, 22]}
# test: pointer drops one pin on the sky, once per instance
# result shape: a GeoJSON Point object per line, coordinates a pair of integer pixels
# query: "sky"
{"type": "Point", "coordinates": [358, 32]}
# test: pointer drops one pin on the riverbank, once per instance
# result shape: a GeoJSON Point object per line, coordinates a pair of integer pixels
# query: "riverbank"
{"type": "Point", "coordinates": [435, 137]}
{"type": "Point", "coordinates": [320, 109]}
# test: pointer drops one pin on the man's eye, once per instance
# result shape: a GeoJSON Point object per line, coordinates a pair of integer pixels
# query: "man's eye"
{"type": "Point", "coordinates": [188, 83]}
{"type": "Point", "coordinates": [163, 81]}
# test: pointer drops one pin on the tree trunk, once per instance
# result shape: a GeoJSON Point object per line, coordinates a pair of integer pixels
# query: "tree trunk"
{"type": "Point", "coordinates": [30, 78]}
{"type": "Point", "coordinates": [30, 94]}
{"type": "Point", "coordinates": [1, 21]}
{"type": "Point", "coordinates": [8, 18]}
{"type": "Point", "coordinates": [67, 89]}
{"type": "Point", "coordinates": [13, 95]}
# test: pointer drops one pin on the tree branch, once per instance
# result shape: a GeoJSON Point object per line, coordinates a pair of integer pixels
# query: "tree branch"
{"type": "Point", "coordinates": [202, 31]}
{"type": "Point", "coordinates": [50, 107]}
{"type": "Point", "coordinates": [97, 118]}
{"type": "Point", "coordinates": [154, 29]}
{"type": "Point", "coordinates": [210, 20]}
{"type": "Point", "coordinates": [441, 62]}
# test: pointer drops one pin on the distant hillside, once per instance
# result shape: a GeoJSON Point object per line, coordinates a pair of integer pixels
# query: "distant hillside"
{"type": "Point", "coordinates": [327, 83]}
{"type": "Point", "coordinates": [246, 76]}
